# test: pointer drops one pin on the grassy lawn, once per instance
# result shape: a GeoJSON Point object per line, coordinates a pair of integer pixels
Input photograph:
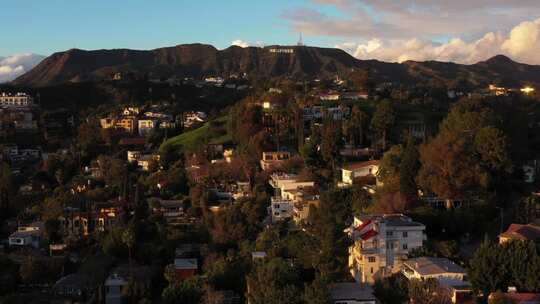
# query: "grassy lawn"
{"type": "Point", "coordinates": [190, 140]}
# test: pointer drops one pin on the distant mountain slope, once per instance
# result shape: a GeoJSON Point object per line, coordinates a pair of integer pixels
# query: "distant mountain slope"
{"type": "Point", "coordinates": [199, 60]}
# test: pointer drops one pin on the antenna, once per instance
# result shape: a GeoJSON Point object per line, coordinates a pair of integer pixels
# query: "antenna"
{"type": "Point", "coordinates": [300, 41]}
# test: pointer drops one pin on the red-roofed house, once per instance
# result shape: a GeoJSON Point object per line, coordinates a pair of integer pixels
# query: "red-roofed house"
{"type": "Point", "coordinates": [527, 232]}
{"type": "Point", "coordinates": [185, 268]}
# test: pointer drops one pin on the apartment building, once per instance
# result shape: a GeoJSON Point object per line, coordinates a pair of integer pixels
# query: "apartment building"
{"type": "Point", "coordinates": [16, 100]}
{"type": "Point", "coordinates": [381, 243]}
{"type": "Point", "coordinates": [286, 194]}
{"type": "Point", "coordinates": [127, 124]}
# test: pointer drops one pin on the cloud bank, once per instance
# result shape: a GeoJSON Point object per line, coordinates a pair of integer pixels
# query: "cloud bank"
{"type": "Point", "coordinates": [462, 31]}
{"type": "Point", "coordinates": [521, 44]}
{"type": "Point", "coordinates": [13, 66]}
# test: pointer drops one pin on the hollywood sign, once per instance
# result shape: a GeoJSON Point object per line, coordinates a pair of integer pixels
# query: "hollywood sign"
{"type": "Point", "coordinates": [282, 51]}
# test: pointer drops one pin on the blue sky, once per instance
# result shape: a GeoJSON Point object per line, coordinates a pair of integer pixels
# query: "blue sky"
{"type": "Point", "coordinates": [47, 26]}
{"type": "Point", "coordinates": [464, 31]}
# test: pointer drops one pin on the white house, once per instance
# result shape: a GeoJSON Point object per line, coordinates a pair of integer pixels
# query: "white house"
{"type": "Point", "coordinates": [380, 244]}
{"type": "Point", "coordinates": [282, 183]}
{"type": "Point", "coordinates": [450, 275]}
{"type": "Point", "coordinates": [359, 169]}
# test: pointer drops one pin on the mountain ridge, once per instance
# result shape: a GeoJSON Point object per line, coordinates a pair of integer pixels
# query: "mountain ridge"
{"type": "Point", "coordinates": [200, 60]}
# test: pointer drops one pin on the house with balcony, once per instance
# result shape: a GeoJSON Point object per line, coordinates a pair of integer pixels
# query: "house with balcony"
{"type": "Point", "coordinates": [303, 199]}
{"type": "Point", "coordinates": [287, 192]}
{"type": "Point", "coordinates": [381, 244]}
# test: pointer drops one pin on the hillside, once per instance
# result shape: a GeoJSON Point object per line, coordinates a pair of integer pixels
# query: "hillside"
{"type": "Point", "coordinates": [199, 60]}
{"type": "Point", "coordinates": [212, 132]}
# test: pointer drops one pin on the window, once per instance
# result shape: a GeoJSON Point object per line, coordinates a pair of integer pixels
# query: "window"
{"type": "Point", "coordinates": [371, 260]}
{"type": "Point", "coordinates": [405, 246]}
{"type": "Point", "coordinates": [405, 234]}
{"type": "Point", "coordinates": [389, 233]}
{"type": "Point", "coordinates": [371, 269]}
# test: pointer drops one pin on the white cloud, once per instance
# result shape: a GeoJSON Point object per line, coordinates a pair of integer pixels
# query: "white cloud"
{"type": "Point", "coordinates": [405, 19]}
{"type": "Point", "coordinates": [13, 66]}
{"type": "Point", "coordinates": [240, 43]}
{"type": "Point", "coordinates": [522, 44]}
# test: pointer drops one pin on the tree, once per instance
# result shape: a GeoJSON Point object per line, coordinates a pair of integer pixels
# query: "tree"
{"type": "Point", "coordinates": [468, 156]}
{"type": "Point", "coordinates": [491, 144]}
{"type": "Point", "coordinates": [408, 169]}
{"type": "Point", "coordinates": [327, 222]}
{"type": "Point", "coordinates": [186, 292]}
{"type": "Point", "coordinates": [274, 282]}
{"type": "Point", "coordinates": [6, 188]}
{"type": "Point", "coordinates": [428, 291]}
{"type": "Point", "coordinates": [448, 168]}
{"type": "Point", "coordinates": [331, 143]}
{"type": "Point", "coordinates": [357, 126]}
{"type": "Point", "coordinates": [390, 164]}
{"type": "Point", "coordinates": [383, 120]}
{"type": "Point", "coordinates": [392, 289]}
{"type": "Point", "coordinates": [316, 292]}
{"type": "Point", "coordinates": [361, 199]}
{"type": "Point", "coordinates": [496, 266]}
{"type": "Point", "coordinates": [88, 137]}
{"type": "Point", "coordinates": [128, 238]}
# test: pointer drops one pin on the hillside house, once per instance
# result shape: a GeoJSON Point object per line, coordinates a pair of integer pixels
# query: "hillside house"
{"type": "Point", "coordinates": [529, 232]}
{"type": "Point", "coordinates": [27, 235]}
{"type": "Point", "coordinates": [273, 160]}
{"type": "Point", "coordinates": [352, 171]}
{"type": "Point", "coordinates": [450, 275]}
{"type": "Point", "coordinates": [185, 268]}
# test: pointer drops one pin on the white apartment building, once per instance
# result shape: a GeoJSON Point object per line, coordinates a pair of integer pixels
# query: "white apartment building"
{"type": "Point", "coordinates": [16, 100]}
{"type": "Point", "coordinates": [286, 194]}
{"type": "Point", "coordinates": [381, 244]}
{"type": "Point", "coordinates": [282, 183]}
